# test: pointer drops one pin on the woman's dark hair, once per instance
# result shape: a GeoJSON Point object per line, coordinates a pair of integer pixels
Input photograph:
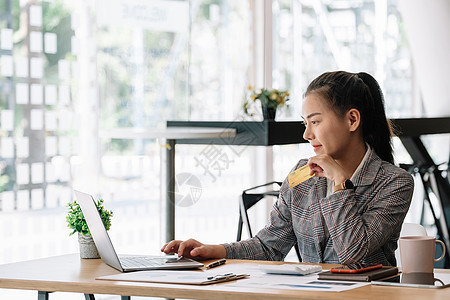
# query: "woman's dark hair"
{"type": "Point", "coordinates": [361, 91]}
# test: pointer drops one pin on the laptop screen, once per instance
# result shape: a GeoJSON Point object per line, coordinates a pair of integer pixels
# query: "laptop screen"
{"type": "Point", "coordinates": [98, 231]}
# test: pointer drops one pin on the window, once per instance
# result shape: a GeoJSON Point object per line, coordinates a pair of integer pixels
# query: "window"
{"type": "Point", "coordinates": [71, 71]}
{"type": "Point", "coordinates": [312, 37]}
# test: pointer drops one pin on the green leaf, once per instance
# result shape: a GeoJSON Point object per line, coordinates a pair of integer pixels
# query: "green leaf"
{"type": "Point", "coordinates": [75, 218]}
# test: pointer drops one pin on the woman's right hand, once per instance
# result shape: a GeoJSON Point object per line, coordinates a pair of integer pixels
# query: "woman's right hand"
{"type": "Point", "coordinates": [194, 249]}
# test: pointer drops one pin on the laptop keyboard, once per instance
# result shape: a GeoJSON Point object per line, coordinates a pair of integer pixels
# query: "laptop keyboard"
{"type": "Point", "coordinates": [141, 262]}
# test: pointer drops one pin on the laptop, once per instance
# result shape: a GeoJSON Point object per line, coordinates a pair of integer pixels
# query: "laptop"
{"type": "Point", "coordinates": [108, 253]}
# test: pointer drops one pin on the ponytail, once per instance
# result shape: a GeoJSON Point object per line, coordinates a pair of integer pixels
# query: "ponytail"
{"type": "Point", "coordinates": [377, 129]}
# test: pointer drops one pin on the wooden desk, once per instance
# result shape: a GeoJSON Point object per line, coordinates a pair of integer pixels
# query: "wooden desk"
{"type": "Point", "coordinates": [69, 273]}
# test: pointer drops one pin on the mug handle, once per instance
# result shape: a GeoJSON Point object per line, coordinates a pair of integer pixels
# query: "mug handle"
{"type": "Point", "coordinates": [443, 250]}
{"type": "Point", "coordinates": [438, 280]}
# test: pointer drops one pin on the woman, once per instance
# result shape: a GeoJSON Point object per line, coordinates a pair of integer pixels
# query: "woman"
{"type": "Point", "coordinates": [353, 208]}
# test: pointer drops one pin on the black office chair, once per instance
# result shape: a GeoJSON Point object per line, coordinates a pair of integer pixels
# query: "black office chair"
{"type": "Point", "coordinates": [247, 200]}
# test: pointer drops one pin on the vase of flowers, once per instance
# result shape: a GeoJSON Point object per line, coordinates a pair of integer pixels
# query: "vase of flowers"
{"type": "Point", "coordinates": [76, 221]}
{"type": "Point", "coordinates": [268, 112]}
{"type": "Point", "coordinates": [270, 100]}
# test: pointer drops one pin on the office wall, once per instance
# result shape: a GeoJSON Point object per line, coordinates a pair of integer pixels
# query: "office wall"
{"type": "Point", "coordinates": [427, 25]}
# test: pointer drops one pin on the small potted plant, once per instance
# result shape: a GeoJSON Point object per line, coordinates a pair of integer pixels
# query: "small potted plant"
{"type": "Point", "coordinates": [75, 220]}
{"type": "Point", "coordinates": [270, 100]}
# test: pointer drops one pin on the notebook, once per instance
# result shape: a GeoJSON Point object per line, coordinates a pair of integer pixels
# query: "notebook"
{"type": "Point", "coordinates": [368, 276]}
{"type": "Point", "coordinates": [108, 253]}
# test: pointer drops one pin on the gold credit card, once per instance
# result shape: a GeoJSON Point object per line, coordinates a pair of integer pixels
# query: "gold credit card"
{"type": "Point", "coordinates": [298, 176]}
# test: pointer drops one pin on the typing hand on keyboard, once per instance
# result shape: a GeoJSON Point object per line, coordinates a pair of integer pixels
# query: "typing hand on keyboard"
{"type": "Point", "coordinates": [290, 269]}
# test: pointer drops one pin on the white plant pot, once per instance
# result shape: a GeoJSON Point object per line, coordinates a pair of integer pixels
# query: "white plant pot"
{"type": "Point", "coordinates": [87, 246]}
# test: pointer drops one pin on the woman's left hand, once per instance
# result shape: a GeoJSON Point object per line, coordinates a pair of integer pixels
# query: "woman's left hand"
{"type": "Point", "coordinates": [323, 165]}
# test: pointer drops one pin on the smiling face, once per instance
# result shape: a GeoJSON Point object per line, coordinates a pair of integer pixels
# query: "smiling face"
{"type": "Point", "coordinates": [327, 132]}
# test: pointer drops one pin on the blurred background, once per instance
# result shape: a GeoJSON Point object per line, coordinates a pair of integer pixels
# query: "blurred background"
{"type": "Point", "coordinates": [72, 70]}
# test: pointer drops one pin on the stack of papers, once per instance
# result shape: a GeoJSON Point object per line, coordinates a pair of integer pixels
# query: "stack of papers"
{"type": "Point", "coordinates": [176, 277]}
{"type": "Point", "coordinates": [249, 275]}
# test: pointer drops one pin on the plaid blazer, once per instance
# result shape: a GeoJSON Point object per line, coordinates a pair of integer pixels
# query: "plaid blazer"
{"type": "Point", "coordinates": [360, 225]}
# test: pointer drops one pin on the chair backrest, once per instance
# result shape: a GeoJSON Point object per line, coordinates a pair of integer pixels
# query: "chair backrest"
{"type": "Point", "coordinates": [249, 199]}
{"type": "Point", "coordinates": [409, 229]}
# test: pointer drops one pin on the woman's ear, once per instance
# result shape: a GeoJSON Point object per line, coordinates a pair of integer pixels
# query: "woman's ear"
{"type": "Point", "coordinates": [354, 119]}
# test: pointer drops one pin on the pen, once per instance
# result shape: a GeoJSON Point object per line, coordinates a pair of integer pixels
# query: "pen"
{"type": "Point", "coordinates": [216, 263]}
